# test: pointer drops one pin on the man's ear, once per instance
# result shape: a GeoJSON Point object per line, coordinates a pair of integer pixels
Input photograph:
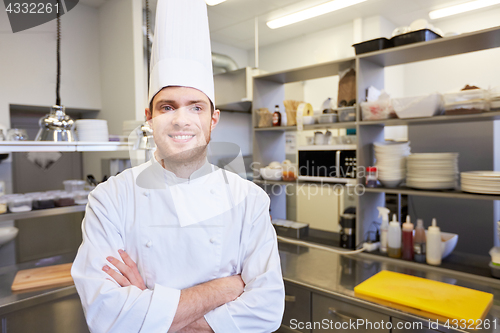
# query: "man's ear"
{"type": "Point", "coordinates": [215, 119]}
{"type": "Point", "coordinates": [149, 114]}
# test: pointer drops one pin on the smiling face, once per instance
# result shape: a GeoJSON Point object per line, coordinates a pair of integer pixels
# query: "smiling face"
{"type": "Point", "coordinates": [182, 121]}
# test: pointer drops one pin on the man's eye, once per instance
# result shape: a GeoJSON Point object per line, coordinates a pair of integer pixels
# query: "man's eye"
{"type": "Point", "coordinates": [197, 108]}
{"type": "Point", "coordinates": [167, 108]}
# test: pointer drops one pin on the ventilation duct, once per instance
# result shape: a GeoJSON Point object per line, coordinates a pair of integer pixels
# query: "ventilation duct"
{"type": "Point", "coordinates": [224, 62]}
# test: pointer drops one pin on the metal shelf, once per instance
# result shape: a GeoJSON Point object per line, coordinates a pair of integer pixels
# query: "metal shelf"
{"type": "Point", "coordinates": [308, 72]}
{"type": "Point", "coordinates": [350, 124]}
{"type": "Point", "coordinates": [42, 213]}
{"type": "Point", "coordinates": [433, 193]}
{"type": "Point", "coordinates": [485, 116]}
{"type": "Point", "coordinates": [275, 128]}
{"type": "Point", "coordinates": [274, 182]}
{"type": "Point", "coordinates": [41, 146]}
{"type": "Point", "coordinates": [438, 48]}
{"type": "Point", "coordinates": [341, 181]}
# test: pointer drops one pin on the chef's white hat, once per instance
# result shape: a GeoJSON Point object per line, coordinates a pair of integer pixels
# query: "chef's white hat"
{"type": "Point", "coordinates": [181, 53]}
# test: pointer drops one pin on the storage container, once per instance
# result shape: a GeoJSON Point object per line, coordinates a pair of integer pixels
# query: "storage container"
{"type": "Point", "coordinates": [469, 96]}
{"type": "Point", "coordinates": [65, 199]}
{"type": "Point", "coordinates": [3, 205]}
{"type": "Point", "coordinates": [495, 270]}
{"type": "Point", "coordinates": [327, 118]}
{"type": "Point", "coordinates": [18, 204]}
{"type": "Point", "coordinates": [44, 201]}
{"type": "Point", "coordinates": [466, 108]}
{"type": "Point", "coordinates": [495, 99]}
{"type": "Point", "coordinates": [495, 255]}
{"type": "Point", "coordinates": [423, 35]}
{"type": "Point", "coordinates": [264, 118]}
{"type": "Point", "coordinates": [73, 185]}
{"type": "Point", "coordinates": [381, 109]}
{"type": "Point", "coordinates": [416, 107]}
{"type": "Point", "coordinates": [373, 45]}
{"type": "Point", "coordinates": [347, 114]}
{"type": "Point", "coordinates": [81, 197]}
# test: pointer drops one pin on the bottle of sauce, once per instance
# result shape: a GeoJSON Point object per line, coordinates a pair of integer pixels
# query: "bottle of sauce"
{"type": "Point", "coordinates": [277, 116]}
{"type": "Point", "coordinates": [433, 247]}
{"type": "Point", "coordinates": [419, 242]}
{"type": "Point", "coordinates": [394, 239]}
{"type": "Point", "coordinates": [407, 240]}
{"type": "Point", "coordinates": [371, 177]}
{"type": "Point", "coordinates": [384, 227]}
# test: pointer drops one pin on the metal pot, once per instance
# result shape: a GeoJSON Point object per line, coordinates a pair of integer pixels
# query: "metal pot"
{"type": "Point", "coordinates": [56, 126]}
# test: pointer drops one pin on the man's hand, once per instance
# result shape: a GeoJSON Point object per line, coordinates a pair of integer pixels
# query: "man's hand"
{"type": "Point", "coordinates": [128, 269]}
{"type": "Point", "coordinates": [194, 302]}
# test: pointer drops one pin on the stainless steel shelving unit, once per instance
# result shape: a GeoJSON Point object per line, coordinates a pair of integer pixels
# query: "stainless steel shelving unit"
{"type": "Point", "coordinates": [269, 143]}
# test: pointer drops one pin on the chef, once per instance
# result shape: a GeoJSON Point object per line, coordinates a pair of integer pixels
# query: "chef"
{"type": "Point", "coordinates": [177, 244]}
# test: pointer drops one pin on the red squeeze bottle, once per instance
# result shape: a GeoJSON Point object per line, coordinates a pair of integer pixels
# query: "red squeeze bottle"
{"type": "Point", "coordinates": [407, 248]}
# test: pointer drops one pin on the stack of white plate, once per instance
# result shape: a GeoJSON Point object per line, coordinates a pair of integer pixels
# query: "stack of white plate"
{"type": "Point", "coordinates": [432, 171]}
{"type": "Point", "coordinates": [486, 182]}
{"type": "Point", "coordinates": [94, 130]}
{"type": "Point", "coordinates": [391, 162]}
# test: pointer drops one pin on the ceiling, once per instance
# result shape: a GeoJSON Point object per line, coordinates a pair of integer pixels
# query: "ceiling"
{"type": "Point", "coordinates": [233, 22]}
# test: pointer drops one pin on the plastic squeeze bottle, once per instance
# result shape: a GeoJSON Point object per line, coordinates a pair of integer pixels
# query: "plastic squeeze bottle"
{"type": "Point", "coordinates": [394, 239]}
{"type": "Point", "coordinates": [384, 227]}
{"type": "Point", "coordinates": [419, 242]}
{"type": "Point", "coordinates": [433, 247]}
{"type": "Point", "coordinates": [407, 239]}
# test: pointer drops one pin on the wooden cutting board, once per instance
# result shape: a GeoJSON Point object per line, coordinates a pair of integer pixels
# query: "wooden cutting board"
{"type": "Point", "coordinates": [43, 277]}
{"type": "Point", "coordinates": [426, 298]}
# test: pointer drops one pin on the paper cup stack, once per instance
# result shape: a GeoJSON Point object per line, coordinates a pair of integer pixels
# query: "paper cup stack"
{"type": "Point", "coordinates": [485, 182]}
{"type": "Point", "coordinates": [391, 162]}
{"type": "Point", "coordinates": [93, 130]}
{"type": "Point", "coordinates": [432, 171]}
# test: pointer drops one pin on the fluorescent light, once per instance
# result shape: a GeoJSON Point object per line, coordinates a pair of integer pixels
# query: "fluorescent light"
{"type": "Point", "coordinates": [308, 13]}
{"type": "Point", "coordinates": [214, 2]}
{"type": "Point", "coordinates": [462, 8]}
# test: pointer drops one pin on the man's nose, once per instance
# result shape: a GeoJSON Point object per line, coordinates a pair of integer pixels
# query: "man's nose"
{"type": "Point", "coordinates": [181, 117]}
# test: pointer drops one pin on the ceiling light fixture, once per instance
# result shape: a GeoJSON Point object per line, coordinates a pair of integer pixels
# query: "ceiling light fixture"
{"type": "Point", "coordinates": [308, 13]}
{"type": "Point", "coordinates": [462, 8]}
{"type": "Point", "coordinates": [214, 2]}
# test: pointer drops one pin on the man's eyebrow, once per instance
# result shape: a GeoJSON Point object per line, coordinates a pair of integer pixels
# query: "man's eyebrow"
{"type": "Point", "coordinates": [168, 101]}
{"type": "Point", "coordinates": [198, 102]}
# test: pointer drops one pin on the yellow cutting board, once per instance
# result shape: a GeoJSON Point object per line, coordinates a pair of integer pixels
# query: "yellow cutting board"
{"type": "Point", "coordinates": [426, 298]}
{"type": "Point", "coordinates": [43, 277]}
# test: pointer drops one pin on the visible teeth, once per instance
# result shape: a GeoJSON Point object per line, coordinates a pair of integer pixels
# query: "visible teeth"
{"type": "Point", "coordinates": [182, 137]}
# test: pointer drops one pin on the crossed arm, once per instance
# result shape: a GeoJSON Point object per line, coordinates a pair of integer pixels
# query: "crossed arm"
{"type": "Point", "coordinates": [194, 302]}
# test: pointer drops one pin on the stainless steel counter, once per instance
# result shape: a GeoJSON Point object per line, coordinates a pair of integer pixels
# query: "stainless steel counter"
{"type": "Point", "coordinates": [321, 271]}
{"type": "Point", "coordinates": [337, 275]}
{"type": "Point", "coordinates": [14, 301]}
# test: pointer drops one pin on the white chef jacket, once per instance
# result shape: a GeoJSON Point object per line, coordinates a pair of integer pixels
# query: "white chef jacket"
{"type": "Point", "coordinates": [135, 211]}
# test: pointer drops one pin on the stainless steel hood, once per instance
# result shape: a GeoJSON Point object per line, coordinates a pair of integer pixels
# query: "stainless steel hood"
{"type": "Point", "coordinates": [233, 90]}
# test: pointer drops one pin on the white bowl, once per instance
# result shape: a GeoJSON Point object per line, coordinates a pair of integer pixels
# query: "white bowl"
{"type": "Point", "coordinates": [271, 174]}
{"type": "Point", "coordinates": [7, 234]}
{"type": "Point", "coordinates": [391, 183]}
{"type": "Point", "coordinates": [448, 243]}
